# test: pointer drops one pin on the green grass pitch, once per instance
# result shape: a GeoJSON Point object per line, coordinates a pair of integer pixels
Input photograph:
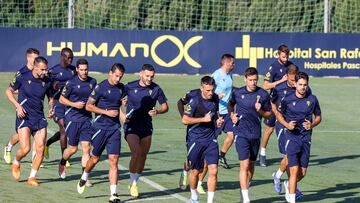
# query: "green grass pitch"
{"type": "Point", "coordinates": [333, 174]}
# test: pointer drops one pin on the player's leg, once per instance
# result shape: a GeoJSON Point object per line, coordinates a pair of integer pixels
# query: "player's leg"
{"type": "Point", "coordinates": [98, 140]}
{"type": "Point", "coordinates": [193, 180]}
{"type": "Point", "coordinates": [14, 139]}
{"type": "Point", "coordinates": [39, 139]}
{"type": "Point", "coordinates": [72, 131]}
{"type": "Point", "coordinates": [50, 141]}
{"type": "Point", "coordinates": [293, 152]}
{"type": "Point", "coordinates": [202, 175]}
{"type": "Point", "coordinates": [212, 181]}
{"type": "Point", "coordinates": [183, 176]}
{"type": "Point", "coordinates": [244, 179]}
{"type": "Point", "coordinates": [24, 149]}
{"type": "Point", "coordinates": [63, 140]}
{"type": "Point", "coordinates": [133, 141]}
{"type": "Point", "coordinates": [294, 170]}
{"type": "Point", "coordinates": [113, 177]}
{"type": "Point", "coordinates": [228, 141]}
{"type": "Point", "coordinates": [264, 141]}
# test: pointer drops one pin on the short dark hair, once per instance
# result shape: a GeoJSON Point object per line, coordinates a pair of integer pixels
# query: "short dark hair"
{"type": "Point", "coordinates": [250, 71]}
{"type": "Point", "coordinates": [301, 75]}
{"type": "Point", "coordinates": [40, 59]}
{"type": "Point", "coordinates": [207, 80]}
{"type": "Point", "coordinates": [147, 67]}
{"type": "Point", "coordinates": [284, 48]}
{"type": "Point", "coordinates": [32, 51]}
{"type": "Point", "coordinates": [292, 69]}
{"type": "Point", "coordinates": [66, 49]}
{"type": "Point", "coordinates": [226, 56]}
{"type": "Point", "coordinates": [117, 66]}
{"type": "Point", "coordinates": [81, 62]}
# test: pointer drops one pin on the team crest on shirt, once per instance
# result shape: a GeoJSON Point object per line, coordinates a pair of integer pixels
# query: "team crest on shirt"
{"type": "Point", "coordinates": [308, 103]}
{"type": "Point", "coordinates": [109, 91]}
{"type": "Point", "coordinates": [267, 75]}
{"type": "Point", "coordinates": [61, 73]}
{"type": "Point", "coordinates": [43, 84]}
{"type": "Point", "coordinates": [281, 70]}
{"type": "Point", "coordinates": [242, 96]}
{"type": "Point", "coordinates": [78, 86]}
{"type": "Point", "coordinates": [90, 85]}
{"type": "Point", "coordinates": [29, 81]}
{"type": "Point", "coordinates": [150, 91]}
{"type": "Point", "coordinates": [285, 91]}
{"type": "Point", "coordinates": [294, 103]}
{"type": "Point", "coordinates": [135, 91]}
{"type": "Point", "coordinates": [187, 108]}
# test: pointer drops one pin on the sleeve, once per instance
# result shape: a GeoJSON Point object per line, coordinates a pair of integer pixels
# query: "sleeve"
{"type": "Point", "coordinates": [274, 95]}
{"type": "Point", "coordinates": [49, 90]}
{"type": "Point", "coordinates": [66, 91]}
{"type": "Point", "coordinates": [16, 82]}
{"type": "Point", "coordinates": [96, 93]}
{"type": "Point", "coordinates": [266, 106]}
{"type": "Point", "coordinates": [233, 97]}
{"type": "Point", "coordinates": [282, 105]}
{"type": "Point", "coordinates": [218, 83]}
{"type": "Point", "coordinates": [317, 110]}
{"type": "Point", "coordinates": [269, 76]}
{"type": "Point", "coordinates": [186, 98]}
{"type": "Point", "coordinates": [190, 108]}
{"type": "Point", "coordinates": [123, 91]}
{"type": "Point", "coordinates": [161, 96]}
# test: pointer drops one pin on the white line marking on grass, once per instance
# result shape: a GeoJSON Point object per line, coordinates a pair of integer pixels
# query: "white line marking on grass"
{"type": "Point", "coordinates": [149, 199]}
{"type": "Point", "coordinates": [147, 181]}
{"type": "Point", "coordinates": [157, 186]}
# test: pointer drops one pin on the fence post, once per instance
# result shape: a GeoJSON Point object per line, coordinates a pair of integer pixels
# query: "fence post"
{"type": "Point", "coordinates": [326, 16]}
{"type": "Point", "coordinates": [71, 14]}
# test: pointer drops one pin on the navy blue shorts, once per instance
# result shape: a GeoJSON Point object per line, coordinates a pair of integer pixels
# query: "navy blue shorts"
{"type": "Point", "coordinates": [111, 139]}
{"type": "Point", "coordinates": [78, 131]}
{"type": "Point", "coordinates": [280, 133]}
{"type": "Point", "coordinates": [200, 151]}
{"type": "Point", "coordinates": [270, 122]}
{"type": "Point", "coordinates": [33, 124]}
{"type": "Point", "coordinates": [298, 152]}
{"type": "Point", "coordinates": [140, 132]}
{"type": "Point", "coordinates": [59, 111]}
{"type": "Point", "coordinates": [227, 126]}
{"type": "Point", "coordinates": [247, 148]}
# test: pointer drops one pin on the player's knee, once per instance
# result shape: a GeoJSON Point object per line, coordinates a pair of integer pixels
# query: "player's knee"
{"type": "Point", "coordinates": [95, 159]}
{"type": "Point", "coordinates": [73, 149]}
{"type": "Point", "coordinates": [213, 170]}
{"type": "Point", "coordinates": [26, 149]}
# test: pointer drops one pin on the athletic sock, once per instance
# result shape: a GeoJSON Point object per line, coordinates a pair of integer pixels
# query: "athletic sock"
{"type": "Point", "coordinates": [33, 155]}
{"type": "Point", "coordinates": [62, 162]}
{"type": "Point", "coordinates": [185, 173]}
{"type": "Point", "coordinates": [222, 154]}
{"type": "Point", "coordinates": [210, 197]}
{"type": "Point", "coordinates": [278, 173]}
{"type": "Point", "coordinates": [132, 178]}
{"type": "Point", "coordinates": [292, 198]}
{"type": "Point", "coordinates": [199, 183]}
{"type": "Point", "coordinates": [9, 147]}
{"type": "Point", "coordinates": [194, 195]}
{"type": "Point", "coordinates": [84, 176]}
{"type": "Point", "coordinates": [32, 173]}
{"type": "Point", "coordinates": [137, 176]}
{"type": "Point", "coordinates": [113, 189]}
{"type": "Point", "coordinates": [16, 162]}
{"type": "Point", "coordinates": [263, 151]}
{"type": "Point", "coordinates": [245, 195]}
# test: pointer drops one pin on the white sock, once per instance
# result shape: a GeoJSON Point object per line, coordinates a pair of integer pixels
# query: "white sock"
{"type": "Point", "coordinates": [278, 173]}
{"type": "Point", "coordinates": [9, 147]}
{"type": "Point", "coordinates": [210, 197]}
{"type": "Point", "coordinates": [132, 178]}
{"type": "Point", "coordinates": [292, 198]}
{"type": "Point", "coordinates": [112, 189]}
{"type": "Point", "coordinates": [16, 162]}
{"type": "Point", "coordinates": [194, 195]}
{"type": "Point", "coordinates": [263, 151]}
{"type": "Point", "coordinates": [245, 195]}
{"type": "Point", "coordinates": [33, 155]}
{"type": "Point", "coordinates": [32, 173]}
{"type": "Point", "coordinates": [199, 183]}
{"type": "Point", "coordinates": [185, 173]}
{"type": "Point", "coordinates": [137, 176]}
{"type": "Point", "coordinates": [84, 176]}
